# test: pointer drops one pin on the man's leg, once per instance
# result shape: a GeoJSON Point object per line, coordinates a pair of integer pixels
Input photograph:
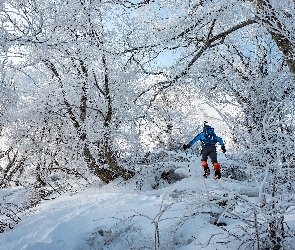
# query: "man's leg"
{"type": "Point", "coordinates": [205, 152]}
{"type": "Point", "coordinates": [216, 165]}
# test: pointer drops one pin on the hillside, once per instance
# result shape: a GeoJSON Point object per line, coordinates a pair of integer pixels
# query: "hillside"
{"type": "Point", "coordinates": [193, 213]}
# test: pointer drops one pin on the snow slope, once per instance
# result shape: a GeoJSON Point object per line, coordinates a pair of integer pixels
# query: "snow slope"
{"type": "Point", "coordinates": [114, 216]}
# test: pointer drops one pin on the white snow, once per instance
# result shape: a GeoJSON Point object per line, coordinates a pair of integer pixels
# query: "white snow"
{"type": "Point", "coordinates": [119, 217]}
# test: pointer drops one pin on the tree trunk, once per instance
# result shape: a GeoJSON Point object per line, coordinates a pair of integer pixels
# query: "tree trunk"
{"type": "Point", "coordinates": [112, 164]}
{"type": "Point", "coordinates": [104, 174]}
{"type": "Point", "coordinates": [281, 35]}
{"type": "Point", "coordinates": [108, 155]}
{"type": "Point", "coordinates": [78, 123]}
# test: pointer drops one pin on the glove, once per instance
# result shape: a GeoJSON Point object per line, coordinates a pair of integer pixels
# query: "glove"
{"type": "Point", "coordinates": [185, 146]}
{"type": "Point", "coordinates": [223, 149]}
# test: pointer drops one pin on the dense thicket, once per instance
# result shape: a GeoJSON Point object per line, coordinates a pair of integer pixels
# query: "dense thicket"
{"type": "Point", "coordinates": [86, 86]}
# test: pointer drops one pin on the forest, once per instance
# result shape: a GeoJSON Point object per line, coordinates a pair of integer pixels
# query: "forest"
{"type": "Point", "coordinates": [106, 92]}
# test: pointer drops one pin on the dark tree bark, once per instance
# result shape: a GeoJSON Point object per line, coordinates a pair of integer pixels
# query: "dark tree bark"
{"type": "Point", "coordinates": [278, 30]}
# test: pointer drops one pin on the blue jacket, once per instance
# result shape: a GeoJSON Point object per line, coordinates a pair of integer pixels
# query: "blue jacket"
{"type": "Point", "coordinates": [210, 140]}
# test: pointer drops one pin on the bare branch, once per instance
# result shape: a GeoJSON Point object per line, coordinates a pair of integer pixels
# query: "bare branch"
{"type": "Point", "coordinates": [159, 87]}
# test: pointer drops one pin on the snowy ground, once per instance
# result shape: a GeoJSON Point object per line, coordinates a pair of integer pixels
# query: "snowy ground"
{"type": "Point", "coordinates": [180, 216]}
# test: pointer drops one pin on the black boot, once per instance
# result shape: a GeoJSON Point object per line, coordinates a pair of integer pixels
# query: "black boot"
{"type": "Point", "coordinates": [206, 172]}
{"type": "Point", "coordinates": [217, 174]}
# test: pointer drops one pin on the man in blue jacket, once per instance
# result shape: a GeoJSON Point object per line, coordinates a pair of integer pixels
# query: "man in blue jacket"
{"type": "Point", "coordinates": [209, 140]}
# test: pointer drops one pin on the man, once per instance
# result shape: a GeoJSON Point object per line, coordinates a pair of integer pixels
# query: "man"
{"type": "Point", "coordinates": [209, 140]}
